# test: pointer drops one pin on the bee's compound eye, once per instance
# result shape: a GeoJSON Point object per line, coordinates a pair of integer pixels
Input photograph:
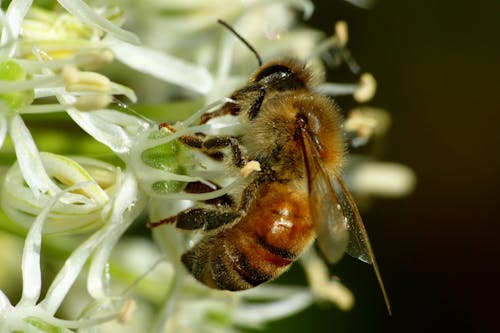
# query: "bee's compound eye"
{"type": "Point", "coordinates": [280, 71]}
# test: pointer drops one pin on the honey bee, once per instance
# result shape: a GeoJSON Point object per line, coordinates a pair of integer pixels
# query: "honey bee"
{"type": "Point", "coordinates": [298, 195]}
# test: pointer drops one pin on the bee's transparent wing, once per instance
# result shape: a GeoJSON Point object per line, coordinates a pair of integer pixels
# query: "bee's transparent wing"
{"type": "Point", "coordinates": [338, 225]}
{"type": "Point", "coordinates": [329, 220]}
{"type": "Point", "coordinates": [359, 244]}
{"type": "Point", "coordinates": [327, 212]}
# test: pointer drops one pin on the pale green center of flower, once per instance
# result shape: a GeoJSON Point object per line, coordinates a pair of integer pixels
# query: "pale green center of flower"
{"type": "Point", "coordinates": [166, 157]}
{"type": "Point", "coordinates": [10, 70]}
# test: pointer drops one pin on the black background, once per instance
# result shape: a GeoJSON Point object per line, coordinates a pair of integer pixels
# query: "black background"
{"type": "Point", "coordinates": [437, 68]}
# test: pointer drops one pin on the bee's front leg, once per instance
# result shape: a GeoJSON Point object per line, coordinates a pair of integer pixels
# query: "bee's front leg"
{"type": "Point", "coordinates": [216, 143]}
{"type": "Point", "coordinates": [212, 147]}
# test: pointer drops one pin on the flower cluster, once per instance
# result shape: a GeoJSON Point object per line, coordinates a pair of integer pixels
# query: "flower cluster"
{"type": "Point", "coordinates": [60, 64]}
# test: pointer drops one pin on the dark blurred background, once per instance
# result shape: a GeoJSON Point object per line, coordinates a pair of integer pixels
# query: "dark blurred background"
{"type": "Point", "coordinates": [437, 68]}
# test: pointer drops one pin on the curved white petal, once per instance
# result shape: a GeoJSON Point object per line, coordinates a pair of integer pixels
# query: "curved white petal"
{"type": "Point", "coordinates": [14, 18]}
{"type": "Point", "coordinates": [32, 277]}
{"type": "Point", "coordinates": [119, 89]}
{"type": "Point", "coordinates": [255, 315]}
{"type": "Point", "coordinates": [126, 207]}
{"type": "Point", "coordinates": [76, 211]}
{"type": "Point", "coordinates": [72, 268]}
{"type": "Point", "coordinates": [112, 128]}
{"type": "Point", "coordinates": [164, 66]}
{"type": "Point", "coordinates": [87, 15]}
{"type": "Point", "coordinates": [29, 159]}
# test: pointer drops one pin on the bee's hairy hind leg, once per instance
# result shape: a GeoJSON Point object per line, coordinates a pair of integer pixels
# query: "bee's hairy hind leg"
{"type": "Point", "coordinates": [225, 202]}
{"type": "Point", "coordinates": [204, 218]}
{"type": "Point", "coordinates": [213, 214]}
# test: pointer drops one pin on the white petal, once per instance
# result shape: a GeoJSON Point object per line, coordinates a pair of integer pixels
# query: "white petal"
{"type": "Point", "coordinates": [87, 15]}
{"type": "Point", "coordinates": [32, 277]}
{"type": "Point", "coordinates": [3, 128]}
{"type": "Point", "coordinates": [45, 108]}
{"type": "Point", "coordinates": [64, 168]}
{"type": "Point", "coordinates": [126, 207]}
{"type": "Point", "coordinates": [28, 158]}
{"type": "Point", "coordinates": [75, 212]}
{"type": "Point", "coordinates": [118, 89]}
{"type": "Point", "coordinates": [255, 315]}
{"type": "Point", "coordinates": [105, 129]}
{"type": "Point", "coordinates": [14, 18]}
{"type": "Point", "coordinates": [72, 267]}
{"type": "Point", "coordinates": [4, 302]}
{"type": "Point", "coordinates": [164, 67]}
{"type": "Point", "coordinates": [32, 280]}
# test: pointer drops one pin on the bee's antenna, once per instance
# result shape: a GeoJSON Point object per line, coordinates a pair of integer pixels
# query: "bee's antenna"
{"type": "Point", "coordinates": [250, 47]}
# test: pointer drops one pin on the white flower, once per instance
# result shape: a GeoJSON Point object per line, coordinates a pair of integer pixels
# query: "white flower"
{"type": "Point", "coordinates": [30, 310]}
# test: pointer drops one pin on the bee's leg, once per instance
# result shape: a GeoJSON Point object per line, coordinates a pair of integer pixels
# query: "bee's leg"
{"type": "Point", "coordinates": [202, 218]}
{"type": "Point", "coordinates": [224, 200]}
{"type": "Point", "coordinates": [229, 108]}
{"type": "Point", "coordinates": [205, 218]}
{"type": "Point", "coordinates": [195, 141]}
{"type": "Point", "coordinates": [233, 108]}
{"type": "Point", "coordinates": [255, 108]}
{"type": "Point", "coordinates": [211, 147]}
{"type": "Point", "coordinates": [169, 127]}
{"type": "Point", "coordinates": [214, 216]}
{"type": "Point", "coordinates": [216, 143]}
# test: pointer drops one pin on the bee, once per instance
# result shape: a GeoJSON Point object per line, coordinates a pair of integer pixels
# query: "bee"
{"type": "Point", "coordinates": [297, 196]}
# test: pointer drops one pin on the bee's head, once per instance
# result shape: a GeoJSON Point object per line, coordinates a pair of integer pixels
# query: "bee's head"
{"type": "Point", "coordinates": [282, 75]}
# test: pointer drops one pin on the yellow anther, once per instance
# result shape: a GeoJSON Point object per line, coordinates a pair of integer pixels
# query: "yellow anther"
{"type": "Point", "coordinates": [78, 81]}
{"type": "Point", "coordinates": [367, 88]}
